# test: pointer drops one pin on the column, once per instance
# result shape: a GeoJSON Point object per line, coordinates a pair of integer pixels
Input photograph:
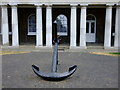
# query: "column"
{"type": "Point", "coordinates": [39, 30]}
{"type": "Point", "coordinates": [108, 23]}
{"type": "Point", "coordinates": [73, 26]}
{"type": "Point", "coordinates": [49, 26]}
{"type": "Point", "coordinates": [4, 25]}
{"type": "Point", "coordinates": [15, 37]}
{"type": "Point", "coordinates": [83, 27]}
{"type": "Point", "coordinates": [117, 30]}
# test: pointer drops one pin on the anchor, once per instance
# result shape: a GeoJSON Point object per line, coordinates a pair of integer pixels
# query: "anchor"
{"type": "Point", "coordinates": [54, 75]}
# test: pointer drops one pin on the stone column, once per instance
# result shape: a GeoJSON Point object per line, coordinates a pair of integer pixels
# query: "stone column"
{"type": "Point", "coordinates": [15, 36]}
{"type": "Point", "coordinates": [73, 26]}
{"type": "Point", "coordinates": [4, 26]}
{"type": "Point", "coordinates": [83, 26]}
{"type": "Point", "coordinates": [39, 30]}
{"type": "Point", "coordinates": [49, 26]}
{"type": "Point", "coordinates": [108, 23]}
{"type": "Point", "coordinates": [117, 30]}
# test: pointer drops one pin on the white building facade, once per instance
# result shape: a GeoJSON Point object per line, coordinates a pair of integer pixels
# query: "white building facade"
{"type": "Point", "coordinates": [79, 22]}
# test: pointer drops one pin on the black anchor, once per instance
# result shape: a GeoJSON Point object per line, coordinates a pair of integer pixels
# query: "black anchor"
{"type": "Point", "coordinates": [53, 75]}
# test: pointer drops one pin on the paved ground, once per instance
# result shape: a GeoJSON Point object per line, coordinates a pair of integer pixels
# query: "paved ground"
{"type": "Point", "coordinates": [94, 71]}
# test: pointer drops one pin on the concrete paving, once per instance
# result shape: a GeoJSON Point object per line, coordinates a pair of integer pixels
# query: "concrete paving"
{"type": "Point", "coordinates": [94, 71]}
{"type": "Point", "coordinates": [61, 48]}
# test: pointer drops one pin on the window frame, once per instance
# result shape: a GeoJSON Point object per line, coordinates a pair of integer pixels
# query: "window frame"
{"type": "Point", "coordinates": [92, 21]}
{"type": "Point", "coordinates": [31, 33]}
{"type": "Point", "coordinates": [63, 33]}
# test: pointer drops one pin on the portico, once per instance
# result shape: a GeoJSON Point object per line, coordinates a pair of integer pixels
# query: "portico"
{"type": "Point", "coordinates": [40, 24]}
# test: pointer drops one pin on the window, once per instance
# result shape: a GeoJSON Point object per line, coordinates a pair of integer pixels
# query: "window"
{"type": "Point", "coordinates": [62, 28]}
{"type": "Point", "coordinates": [32, 25]}
{"type": "Point", "coordinates": [90, 17]}
{"type": "Point", "coordinates": [91, 24]}
{"type": "Point", "coordinates": [92, 27]}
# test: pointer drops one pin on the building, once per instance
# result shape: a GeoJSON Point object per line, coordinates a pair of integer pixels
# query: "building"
{"type": "Point", "coordinates": [80, 23]}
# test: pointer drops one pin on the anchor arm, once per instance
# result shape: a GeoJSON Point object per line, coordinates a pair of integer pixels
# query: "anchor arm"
{"type": "Point", "coordinates": [54, 76]}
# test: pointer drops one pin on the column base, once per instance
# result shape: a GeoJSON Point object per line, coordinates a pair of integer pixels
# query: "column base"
{"type": "Point", "coordinates": [83, 47]}
{"type": "Point", "coordinates": [39, 46]}
{"type": "Point", "coordinates": [78, 47]}
{"type": "Point", "coordinates": [9, 46]}
{"type": "Point", "coordinates": [73, 47]}
{"type": "Point", "coordinates": [117, 47]}
{"type": "Point", "coordinates": [111, 47]}
{"type": "Point", "coordinates": [6, 44]}
{"type": "Point", "coordinates": [48, 46]}
{"type": "Point", "coordinates": [44, 48]}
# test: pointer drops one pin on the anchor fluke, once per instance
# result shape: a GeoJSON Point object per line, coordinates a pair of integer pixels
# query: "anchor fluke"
{"type": "Point", "coordinates": [54, 76]}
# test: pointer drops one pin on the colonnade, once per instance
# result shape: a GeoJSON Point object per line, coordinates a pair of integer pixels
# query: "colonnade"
{"type": "Point", "coordinates": [73, 31]}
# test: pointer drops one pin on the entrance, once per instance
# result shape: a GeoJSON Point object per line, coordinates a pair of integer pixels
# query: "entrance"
{"type": "Point", "coordinates": [62, 29]}
{"type": "Point", "coordinates": [91, 29]}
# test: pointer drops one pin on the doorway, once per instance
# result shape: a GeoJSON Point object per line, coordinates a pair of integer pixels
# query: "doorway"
{"type": "Point", "coordinates": [91, 29]}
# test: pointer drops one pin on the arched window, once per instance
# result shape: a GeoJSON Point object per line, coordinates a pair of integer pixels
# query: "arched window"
{"type": "Point", "coordinates": [32, 25]}
{"type": "Point", "coordinates": [91, 17]}
{"type": "Point", "coordinates": [91, 20]}
{"type": "Point", "coordinates": [62, 27]}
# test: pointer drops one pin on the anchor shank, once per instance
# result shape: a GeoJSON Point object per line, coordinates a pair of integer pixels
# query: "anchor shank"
{"type": "Point", "coordinates": [55, 58]}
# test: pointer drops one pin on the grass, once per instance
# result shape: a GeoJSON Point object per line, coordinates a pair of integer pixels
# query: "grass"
{"type": "Point", "coordinates": [115, 53]}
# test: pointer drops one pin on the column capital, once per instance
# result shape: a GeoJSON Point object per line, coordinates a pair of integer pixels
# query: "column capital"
{"type": "Point", "coordinates": [48, 5]}
{"type": "Point", "coordinates": [110, 5]}
{"type": "Point", "coordinates": [13, 4]}
{"type": "Point", "coordinates": [118, 4]}
{"type": "Point", "coordinates": [38, 5]}
{"type": "Point", "coordinates": [83, 5]}
{"type": "Point", "coordinates": [73, 5]}
{"type": "Point", "coordinates": [3, 4]}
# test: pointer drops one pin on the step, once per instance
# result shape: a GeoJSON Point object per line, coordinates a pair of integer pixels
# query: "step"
{"type": "Point", "coordinates": [95, 47]}
{"type": "Point", "coordinates": [63, 48]}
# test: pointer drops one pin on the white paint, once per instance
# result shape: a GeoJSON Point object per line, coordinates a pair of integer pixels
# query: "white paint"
{"type": "Point", "coordinates": [4, 24]}
{"type": "Point", "coordinates": [15, 37]}
{"type": "Point", "coordinates": [29, 26]}
{"type": "Point", "coordinates": [117, 30]}
{"type": "Point", "coordinates": [39, 30]}
{"type": "Point", "coordinates": [49, 1]}
{"type": "Point", "coordinates": [48, 26]}
{"type": "Point", "coordinates": [83, 27]}
{"type": "Point", "coordinates": [108, 23]}
{"type": "Point", "coordinates": [73, 27]}
{"type": "Point", "coordinates": [90, 36]}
